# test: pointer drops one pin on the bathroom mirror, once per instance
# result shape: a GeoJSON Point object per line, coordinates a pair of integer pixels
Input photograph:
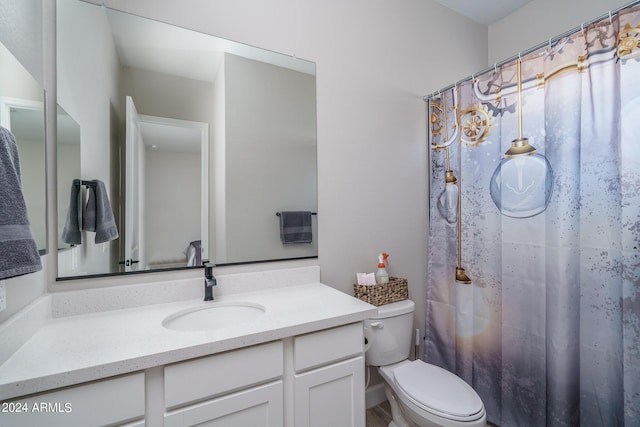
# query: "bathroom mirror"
{"type": "Point", "coordinates": [22, 112]}
{"type": "Point", "coordinates": [199, 142]}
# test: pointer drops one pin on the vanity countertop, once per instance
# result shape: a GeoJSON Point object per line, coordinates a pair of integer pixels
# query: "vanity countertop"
{"type": "Point", "coordinates": [85, 347]}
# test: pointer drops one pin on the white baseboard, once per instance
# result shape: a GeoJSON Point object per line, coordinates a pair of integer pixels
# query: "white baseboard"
{"type": "Point", "coordinates": [375, 395]}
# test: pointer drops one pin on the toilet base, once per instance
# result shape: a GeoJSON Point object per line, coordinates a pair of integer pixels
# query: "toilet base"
{"type": "Point", "coordinates": [398, 419]}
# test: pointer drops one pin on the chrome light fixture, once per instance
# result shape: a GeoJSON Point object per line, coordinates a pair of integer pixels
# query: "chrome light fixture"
{"type": "Point", "coordinates": [522, 183]}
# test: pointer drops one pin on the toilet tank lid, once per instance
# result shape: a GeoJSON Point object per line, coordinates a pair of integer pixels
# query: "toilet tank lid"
{"type": "Point", "coordinates": [395, 309]}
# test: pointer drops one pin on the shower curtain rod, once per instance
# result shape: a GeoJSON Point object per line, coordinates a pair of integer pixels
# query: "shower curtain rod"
{"type": "Point", "coordinates": [532, 49]}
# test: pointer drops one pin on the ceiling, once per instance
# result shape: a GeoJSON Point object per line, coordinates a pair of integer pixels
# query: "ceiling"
{"type": "Point", "coordinates": [486, 12]}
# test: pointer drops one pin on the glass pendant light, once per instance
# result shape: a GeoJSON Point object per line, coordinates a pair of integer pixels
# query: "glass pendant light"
{"type": "Point", "coordinates": [521, 184]}
{"type": "Point", "coordinates": [448, 200]}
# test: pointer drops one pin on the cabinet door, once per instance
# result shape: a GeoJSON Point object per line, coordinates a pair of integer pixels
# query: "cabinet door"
{"type": "Point", "coordinates": [331, 396]}
{"type": "Point", "coordinates": [256, 407]}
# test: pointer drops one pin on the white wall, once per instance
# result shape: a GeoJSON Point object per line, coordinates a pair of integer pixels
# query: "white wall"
{"type": "Point", "coordinates": [172, 197]}
{"type": "Point", "coordinates": [540, 20]}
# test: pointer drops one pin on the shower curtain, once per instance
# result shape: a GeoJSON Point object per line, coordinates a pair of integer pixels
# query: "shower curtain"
{"type": "Point", "coordinates": [548, 332]}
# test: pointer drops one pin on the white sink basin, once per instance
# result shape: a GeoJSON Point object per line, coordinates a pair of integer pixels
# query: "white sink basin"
{"type": "Point", "coordinates": [215, 315]}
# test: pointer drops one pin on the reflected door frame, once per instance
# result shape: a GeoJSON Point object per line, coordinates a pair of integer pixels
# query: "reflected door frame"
{"type": "Point", "coordinates": [133, 122]}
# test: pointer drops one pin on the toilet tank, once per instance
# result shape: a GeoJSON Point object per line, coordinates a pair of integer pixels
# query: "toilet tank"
{"type": "Point", "coordinates": [388, 335]}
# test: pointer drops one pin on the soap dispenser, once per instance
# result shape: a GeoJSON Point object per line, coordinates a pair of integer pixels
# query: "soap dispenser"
{"type": "Point", "coordinates": [381, 275]}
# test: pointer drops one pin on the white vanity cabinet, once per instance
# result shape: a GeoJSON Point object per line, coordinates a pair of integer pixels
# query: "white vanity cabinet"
{"type": "Point", "coordinates": [238, 388]}
{"type": "Point", "coordinates": [329, 378]}
{"type": "Point", "coordinates": [310, 380]}
{"type": "Point", "coordinates": [115, 401]}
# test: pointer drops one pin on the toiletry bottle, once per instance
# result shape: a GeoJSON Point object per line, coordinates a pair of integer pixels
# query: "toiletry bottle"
{"type": "Point", "coordinates": [381, 274]}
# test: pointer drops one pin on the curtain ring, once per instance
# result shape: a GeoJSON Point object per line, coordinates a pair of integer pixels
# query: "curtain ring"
{"type": "Point", "coordinates": [550, 44]}
{"type": "Point", "coordinates": [610, 18]}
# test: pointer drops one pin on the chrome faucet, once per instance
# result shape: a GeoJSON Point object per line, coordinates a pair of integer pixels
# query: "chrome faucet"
{"type": "Point", "coordinates": [209, 281]}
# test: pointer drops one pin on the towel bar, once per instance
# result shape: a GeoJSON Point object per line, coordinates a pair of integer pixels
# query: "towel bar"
{"type": "Point", "coordinates": [312, 213]}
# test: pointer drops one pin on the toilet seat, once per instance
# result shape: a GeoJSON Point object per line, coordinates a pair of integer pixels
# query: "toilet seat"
{"type": "Point", "coordinates": [438, 391]}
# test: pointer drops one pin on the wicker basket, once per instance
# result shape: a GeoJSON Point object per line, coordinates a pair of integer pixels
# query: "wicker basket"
{"type": "Point", "coordinates": [396, 290]}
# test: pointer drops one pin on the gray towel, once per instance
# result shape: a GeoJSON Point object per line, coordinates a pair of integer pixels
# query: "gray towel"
{"type": "Point", "coordinates": [295, 227]}
{"type": "Point", "coordinates": [18, 251]}
{"type": "Point", "coordinates": [98, 215]}
{"type": "Point", "coordinates": [194, 254]}
{"type": "Point", "coordinates": [71, 231]}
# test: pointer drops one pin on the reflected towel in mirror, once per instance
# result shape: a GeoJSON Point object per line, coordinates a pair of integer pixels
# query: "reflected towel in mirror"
{"type": "Point", "coordinates": [193, 254]}
{"type": "Point", "coordinates": [71, 231]}
{"type": "Point", "coordinates": [295, 227]}
{"type": "Point", "coordinates": [98, 215]}
{"type": "Point", "coordinates": [19, 253]}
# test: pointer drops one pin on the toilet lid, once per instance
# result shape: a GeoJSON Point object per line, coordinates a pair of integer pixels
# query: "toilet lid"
{"type": "Point", "coordinates": [438, 390]}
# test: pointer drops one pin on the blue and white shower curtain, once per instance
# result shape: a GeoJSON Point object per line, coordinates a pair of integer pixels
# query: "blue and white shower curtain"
{"type": "Point", "coordinates": [548, 333]}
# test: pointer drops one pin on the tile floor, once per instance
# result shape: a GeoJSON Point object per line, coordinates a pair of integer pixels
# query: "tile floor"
{"type": "Point", "coordinates": [379, 416]}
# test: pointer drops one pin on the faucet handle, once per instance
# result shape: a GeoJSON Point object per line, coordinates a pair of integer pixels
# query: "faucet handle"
{"type": "Point", "coordinates": [208, 269]}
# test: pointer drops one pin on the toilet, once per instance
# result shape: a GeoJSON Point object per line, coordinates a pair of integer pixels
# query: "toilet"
{"type": "Point", "coordinates": [420, 394]}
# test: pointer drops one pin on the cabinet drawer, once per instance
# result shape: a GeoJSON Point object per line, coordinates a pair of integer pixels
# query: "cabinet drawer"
{"type": "Point", "coordinates": [330, 345]}
{"type": "Point", "coordinates": [107, 402]}
{"type": "Point", "coordinates": [256, 407]}
{"type": "Point", "coordinates": [209, 376]}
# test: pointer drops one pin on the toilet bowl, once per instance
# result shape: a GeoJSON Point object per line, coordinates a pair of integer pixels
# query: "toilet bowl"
{"type": "Point", "coordinates": [420, 394]}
